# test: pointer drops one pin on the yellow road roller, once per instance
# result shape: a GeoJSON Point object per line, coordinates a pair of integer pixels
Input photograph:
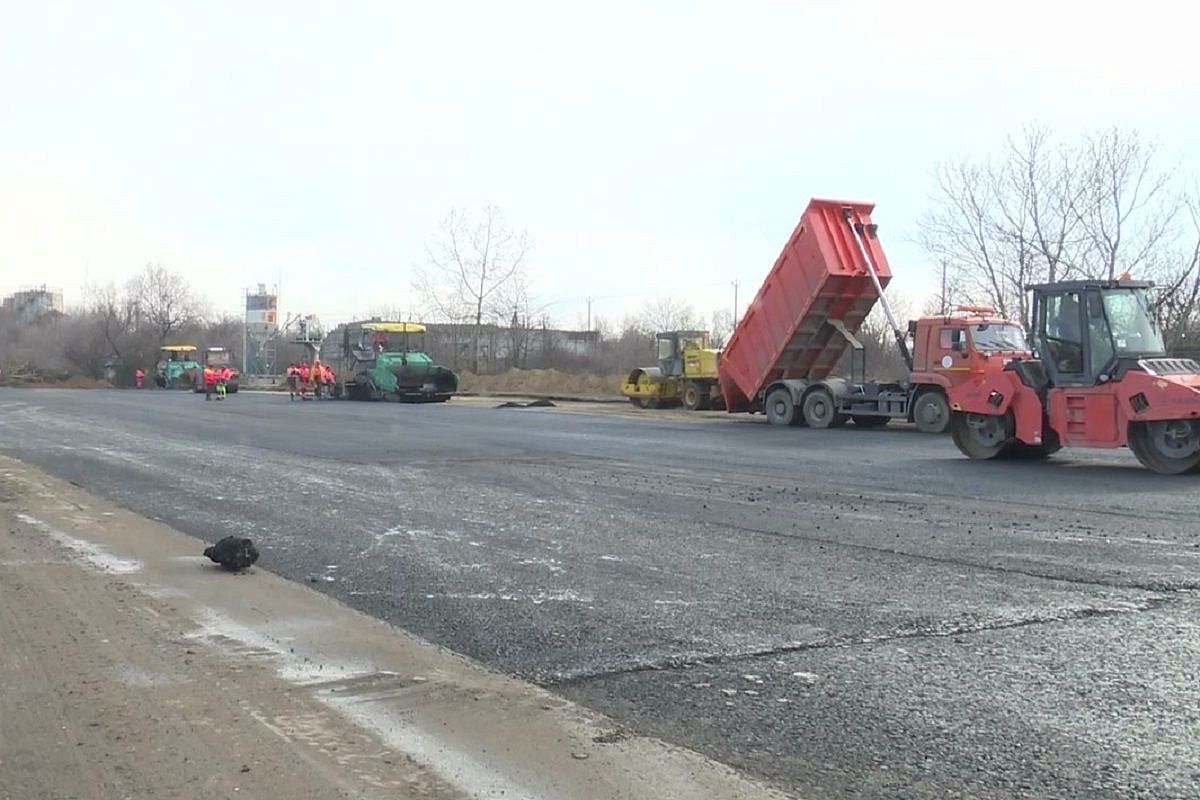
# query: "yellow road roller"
{"type": "Point", "coordinates": [686, 374]}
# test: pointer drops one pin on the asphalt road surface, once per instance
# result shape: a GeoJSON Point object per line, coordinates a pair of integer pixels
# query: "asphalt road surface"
{"type": "Point", "coordinates": [845, 613]}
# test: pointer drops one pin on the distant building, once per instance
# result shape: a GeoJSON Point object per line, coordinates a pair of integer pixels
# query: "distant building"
{"type": "Point", "coordinates": [30, 305]}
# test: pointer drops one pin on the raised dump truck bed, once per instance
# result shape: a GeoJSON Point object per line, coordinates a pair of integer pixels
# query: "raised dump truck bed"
{"type": "Point", "coordinates": [821, 282]}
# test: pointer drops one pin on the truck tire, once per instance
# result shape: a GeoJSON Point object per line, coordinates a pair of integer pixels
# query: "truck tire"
{"type": "Point", "coordinates": [693, 396]}
{"type": "Point", "coordinates": [931, 412]}
{"type": "Point", "coordinates": [780, 408]}
{"type": "Point", "coordinates": [820, 410]}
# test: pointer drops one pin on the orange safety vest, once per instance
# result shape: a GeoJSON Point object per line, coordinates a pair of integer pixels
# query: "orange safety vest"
{"type": "Point", "coordinates": [210, 376]}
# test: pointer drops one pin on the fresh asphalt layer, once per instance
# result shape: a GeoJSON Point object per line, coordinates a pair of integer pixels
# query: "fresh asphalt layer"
{"type": "Point", "coordinates": [844, 613]}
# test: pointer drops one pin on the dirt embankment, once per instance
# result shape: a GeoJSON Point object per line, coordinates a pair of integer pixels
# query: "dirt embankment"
{"type": "Point", "coordinates": [542, 381]}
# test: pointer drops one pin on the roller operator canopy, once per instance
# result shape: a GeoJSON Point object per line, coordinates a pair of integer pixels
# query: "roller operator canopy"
{"type": "Point", "coordinates": [394, 327]}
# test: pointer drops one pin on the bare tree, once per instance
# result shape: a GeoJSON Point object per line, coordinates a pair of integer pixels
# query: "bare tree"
{"type": "Point", "coordinates": [114, 332]}
{"type": "Point", "coordinates": [722, 327]}
{"type": "Point", "coordinates": [472, 262]}
{"type": "Point", "coordinates": [114, 313]}
{"type": "Point", "coordinates": [165, 302]}
{"type": "Point", "coordinates": [514, 309]}
{"type": "Point", "coordinates": [961, 229]}
{"type": "Point", "coordinates": [1178, 302]}
{"type": "Point", "coordinates": [668, 314]}
{"type": "Point", "coordinates": [881, 357]}
{"type": "Point", "coordinates": [1048, 212]}
{"type": "Point", "coordinates": [1128, 208]}
{"type": "Point", "coordinates": [225, 332]}
{"type": "Point", "coordinates": [999, 226]}
{"type": "Point", "coordinates": [1043, 180]}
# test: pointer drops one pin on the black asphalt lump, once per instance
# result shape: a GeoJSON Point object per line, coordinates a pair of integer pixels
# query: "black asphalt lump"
{"type": "Point", "coordinates": [542, 403]}
{"type": "Point", "coordinates": [234, 553]}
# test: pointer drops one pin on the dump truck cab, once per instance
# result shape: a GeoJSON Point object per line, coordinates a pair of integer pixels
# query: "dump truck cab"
{"type": "Point", "coordinates": [949, 348]}
{"type": "Point", "coordinates": [1099, 377]}
{"type": "Point", "coordinates": [686, 373]}
{"type": "Point", "coordinates": [961, 342]}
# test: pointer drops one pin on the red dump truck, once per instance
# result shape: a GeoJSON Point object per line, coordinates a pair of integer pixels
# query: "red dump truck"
{"type": "Point", "coordinates": [782, 354]}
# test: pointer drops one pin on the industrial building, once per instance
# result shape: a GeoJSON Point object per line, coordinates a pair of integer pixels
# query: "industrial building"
{"type": "Point", "coordinates": [32, 303]}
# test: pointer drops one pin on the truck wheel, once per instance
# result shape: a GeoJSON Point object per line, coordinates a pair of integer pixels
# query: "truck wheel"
{"type": "Point", "coordinates": [981, 436]}
{"type": "Point", "coordinates": [780, 408]}
{"type": "Point", "coordinates": [692, 396]}
{"type": "Point", "coordinates": [820, 410]}
{"type": "Point", "coordinates": [931, 412]}
{"type": "Point", "coordinates": [1170, 447]}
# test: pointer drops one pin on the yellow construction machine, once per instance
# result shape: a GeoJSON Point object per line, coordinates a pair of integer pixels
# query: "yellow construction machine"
{"type": "Point", "coordinates": [686, 374]}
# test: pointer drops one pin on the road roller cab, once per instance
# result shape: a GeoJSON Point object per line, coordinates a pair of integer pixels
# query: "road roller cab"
{"type": "Point", "coordinates": [1100, 377]}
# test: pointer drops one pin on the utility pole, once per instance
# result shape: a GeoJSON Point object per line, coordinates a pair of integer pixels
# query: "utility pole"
{"type": "Point", "coordinates": [589, 316]}
{"type": "Point", "coordinates": [245, 328]}
{"type": "Point", "coordinates": [945, 305]}
{"type": "Point", "coordinates": [735, 303]}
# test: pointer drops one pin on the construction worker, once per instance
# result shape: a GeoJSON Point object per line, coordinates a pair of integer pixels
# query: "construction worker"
{"type": "Point", "coordinates": [139, 377]}
{"type": "Point", "coordinates": [293, 380]}
{"type": "Point", "coordinates": [305, 377]}
{"type": "Point", "coordinates": [210, 382]}
{"type": "Point", "coordinates": [328, 376]}
{"type": "Point", "coordinates": [223, 378]}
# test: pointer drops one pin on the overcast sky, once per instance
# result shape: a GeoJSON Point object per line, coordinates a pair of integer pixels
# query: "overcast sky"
{"type": "Point", "coordinates": [647, 148]}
